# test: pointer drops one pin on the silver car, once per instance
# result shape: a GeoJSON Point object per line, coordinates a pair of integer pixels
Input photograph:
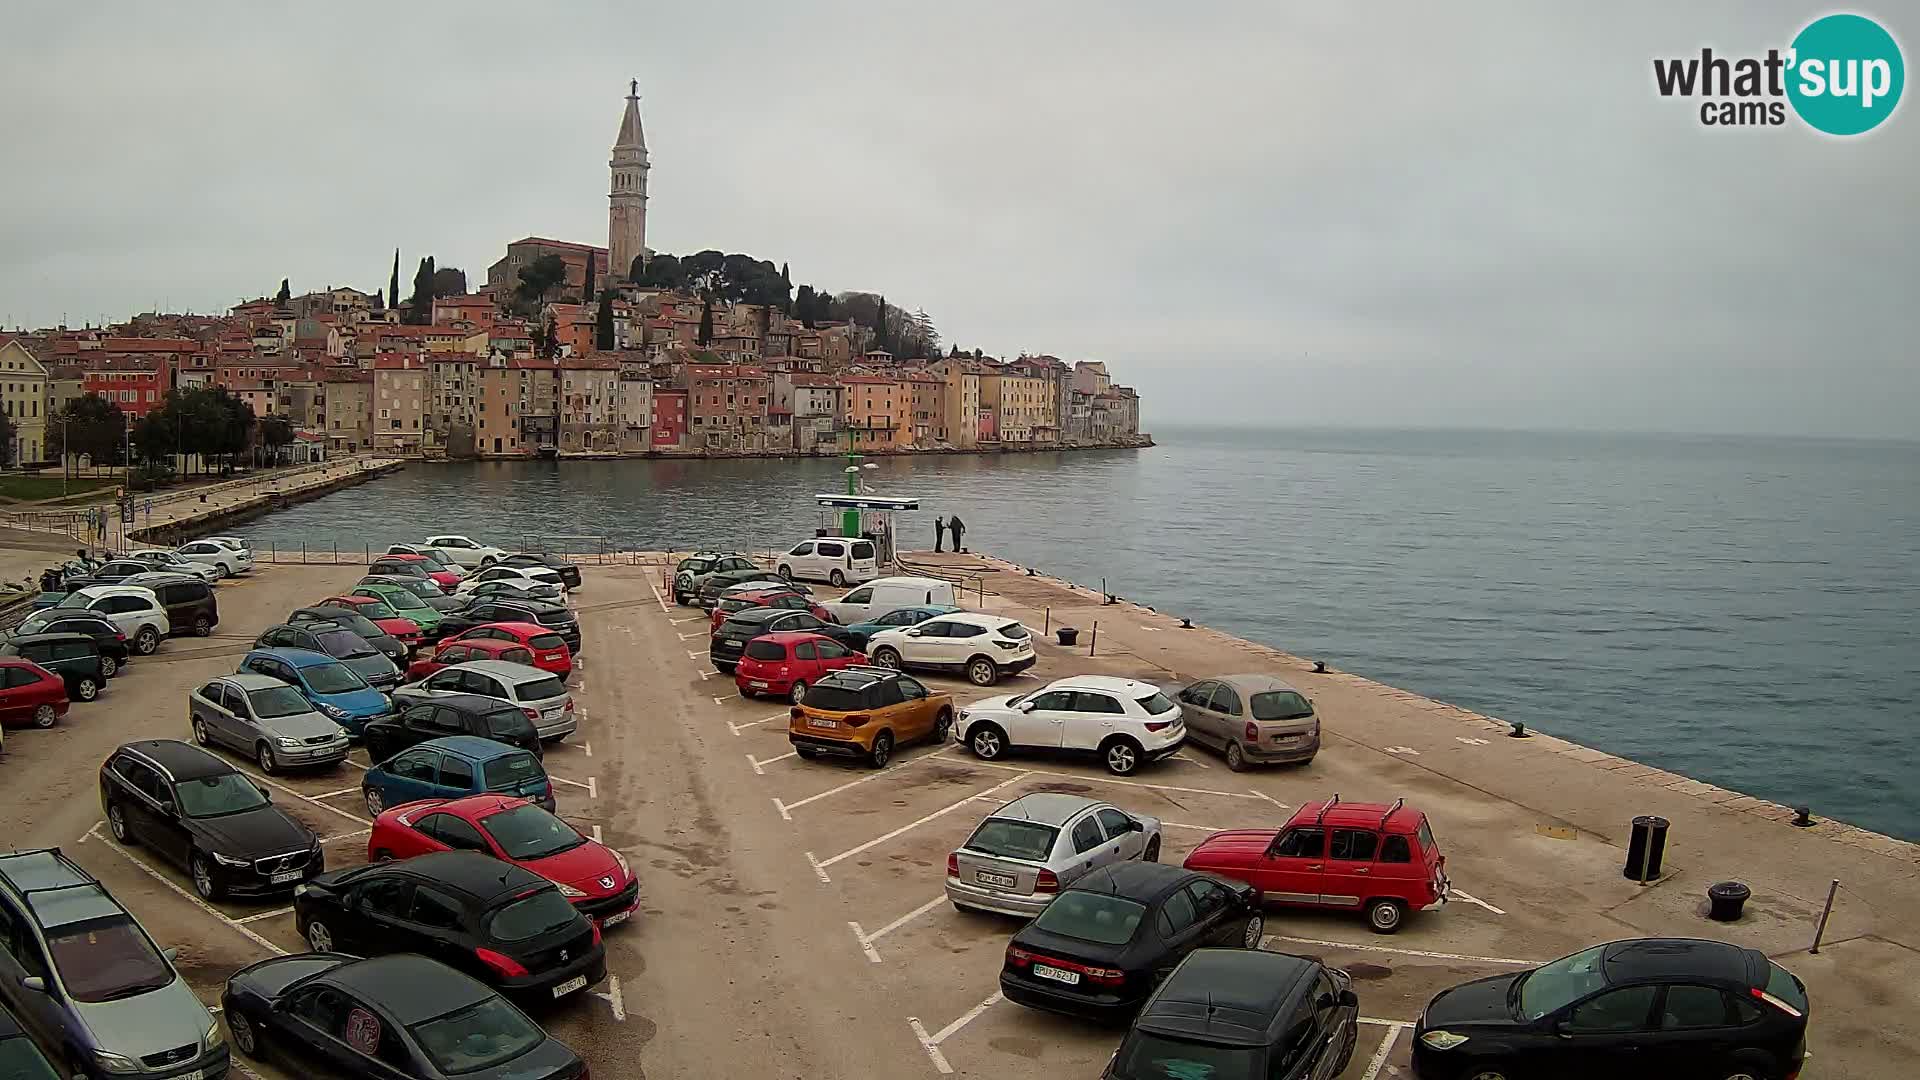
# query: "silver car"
{"type": "Point", "coordinates": [265, 719]}
{"type": "Point", "coordinates": [1021, 855]}
{"type": "Point", "coordinates": [1251, 720]}
{"type": "Point", "coordinates": [540, 694]}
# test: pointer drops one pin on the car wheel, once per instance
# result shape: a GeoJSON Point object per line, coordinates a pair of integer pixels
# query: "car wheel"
{"type": "Point", "coordinates": [382, 855]}
{"type": "Point", "coordinates": [244, 1039]}
{"type": "Point", "coordinates": [201, 627]}
{"type": "Point", "coordinates": [1385, 916]}
{"type": "Point", "coordinates": [886, 658]}
{"type": "Point", "coordinates": [86, 688]}
{"type": "Point", "coordinates": [203, 882]}
{"type": "Point", "coordinates": [1488, 1072]}
{"type": "Point", "coordinates": [319, 936]}
{"type": "Point", "coordinates": [1153, 851]}
{"type": "Point", "coordinates": [264, 755]}
{"type": "Point", "coordinates": [486, 561]}
{"type": "Point", "coordinates": [375, 805]}
{"type": "Point", "coordinates": [44, 716]}
{"type": "Point", "coordinates": [147, 640]}
{"type": "Point", "coordinates": [1250, 939]}
{"type": "Point", "coordinates": [1346, 1048]}
{"type": "Point", "coordinates": [108, 665]}
{"type": "Point", "coordinates": [1747, 1067]}
{"type": "Point", "coordinates": [117, 825]}
{"type": "Point", "coordinates": [1236, 757]}
{"type": "Point", "coordinates": [225, 570]}
{"type": "Point", "coordinates": [837, 579]}
{"type": "Point", "coordinates": [786, 571]}
{"type": "Point", "coordinates": [1122, 756]}
{"type": "Point", "coordinates": [943, 725]}
{"type": "Point", "coordinates": [882, 751]}
{"type": "Point", "coordinates": [982, 671]}
{"type": "Point", "coordinates": [987, 742]}
{"type": "Point", "coordinates": [798, 692]}
{"type": "Point", "coordinates": [200, 734]}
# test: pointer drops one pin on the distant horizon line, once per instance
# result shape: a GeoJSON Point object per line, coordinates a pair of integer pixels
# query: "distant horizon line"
{"type": "Point", "coordinates": [1155, 426]}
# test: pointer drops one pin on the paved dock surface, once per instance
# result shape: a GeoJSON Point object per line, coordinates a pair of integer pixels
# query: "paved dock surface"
{"type": "Point", "coordinates": [792, 923]}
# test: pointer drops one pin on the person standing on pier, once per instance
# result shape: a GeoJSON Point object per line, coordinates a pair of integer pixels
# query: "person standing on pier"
{"type": "Point", "coordinates": [959, 532]}
{"type": "Point", "coordinates": [940, 534]}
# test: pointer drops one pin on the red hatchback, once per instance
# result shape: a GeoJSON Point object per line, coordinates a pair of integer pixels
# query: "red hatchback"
{"type": "Point", "coordinates": [774, 598]}
{"type": "Point", "coordinates": [30, 694]}
{"type": "Point", "coordinates": [549, 650]}
{"type": "Point", "coordinates": [785, 663]}
{"type": "Point", "coordinates": [593, 876]}
{"type": "Point", "coordinates": [388, 620]}
{"type": "Point", "coordinates": [1345, 856]}
{"type": "Point", "coordinates": [436, 573]}
{"type": "Point", "coordinates": [462, 651]}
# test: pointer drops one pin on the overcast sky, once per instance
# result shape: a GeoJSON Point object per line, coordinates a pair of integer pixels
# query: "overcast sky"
{"type": "Point", "coordinates": [1405, 214]}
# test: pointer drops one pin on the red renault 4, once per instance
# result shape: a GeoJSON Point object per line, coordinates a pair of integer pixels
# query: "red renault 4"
{"type": "Point", "coordinates": [1346, 856]}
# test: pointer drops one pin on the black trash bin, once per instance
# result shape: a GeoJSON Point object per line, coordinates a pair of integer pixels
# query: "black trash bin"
{"type": "Point", "coordinates": [1067, 635]}
{"type": "Point", "coordinates": [1725, 900]}
{"type": "Point", "coordinates": [1648, 842]}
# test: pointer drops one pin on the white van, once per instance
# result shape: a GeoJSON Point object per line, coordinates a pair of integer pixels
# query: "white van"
{"type": "Point", "coordinates": [876, 598]}
{"type": "Point", "coordinates": [838, 560]}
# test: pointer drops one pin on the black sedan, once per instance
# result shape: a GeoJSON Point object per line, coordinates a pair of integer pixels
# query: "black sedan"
{"type": "Point", "coordinates": [111, 640]}
{"type": "Point", "coordinates": [454, 714]}
{"type": "Point", "coordinates": [558, 618]}
{"type": "Point", "coordinates": [390, 647]}
{"type": "Point", "coordinates": [729, 642]}
{"type": "Point", "coordinates": [1642, 1007]}
{"type": "Point", "coordinates": [493, 920]}
{"type": "Point", "coordinates": [569, 572]}
{"type": "Point", "coordinates": [73, 657]}
{"type": "Point", "coordinates": [1102, 946]}
{"type": "Point", "coordinates": [333, 1015]}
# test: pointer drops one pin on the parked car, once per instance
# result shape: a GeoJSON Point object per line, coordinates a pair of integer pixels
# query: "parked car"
{"type": "Point", "coordinates": [986, 648]}
{"type": "Point", "coordinates": [465, 551]}
{"type": "Point", "coordinates": [201, 814]}
{"type": "Point", "coordinates": [30, 694]}
{"type": "Point", "coordinates": [736, 599]}
{"type": "Point", "coordinates": [435, 560]}
{"type": "Point", "coordinates": [405, 631]}
{"type": "Point", "coordinates": [1652, 1007]}
{"type": "Point", "coordinates": [188, 601]}
{"type": "Point", "coordinates": [265, 719]}
{"type": "Point", "coordinates": [339, 693]}
{"type": "Point", "coordinates": [865, 713]}
{"type": "Point", "coordinates": [1020, 855]}
{"type": "Point", "coordinates": [391, 1016]}
{"type": "Point", "coordinates": [349, 618]}
{"type": "Point", "coordinates": [882, 595]}
{"type": "Point", "coordinates": [1345, 856]}
{"type": "Point", "coordinates": [1124, 723]}
{"type": "Point", "coordinates": [524, 575]}
{"type": "Point", "coordinates": [688, 572]}
{"type": "Point", "coordinates": [1243, 1014]}
{"type": "Point", "coordinates": [21, 1054]}
{"type": "Point", "coordinates": [240, 542]}
{"type": "Point", "coordinates": [568, 570]}
{"type": "Point", "coordinates": [555, 617]}
{"type": "Point", "coordinates": [405, 565]}
{"type": "Point", "coordinates": [729, 643]}
{"type": "Point", "coordinates": [508, 590]}
{"type": "Point", "coordinates": [166, 560]}
{"type": "Point", "coordinates": [1251, 720]}
{"type": "Point", "coordinates": [406, 604]}
{"type": "Point", "coordinates": [73, 657]}
{"type": "Point", "coordinates": [461, 650]}
{"type": "Point", "coordinates": [110, 572]}
{"type": "Point", "coordinates": [899, 618]}
{"type": "Point", "coordinates": [136, 611]}
{"type": "Point", "coordinates": [784, 664]}
{"type": "Point", "coordinates": [104, 632]}
{"type": "Point", "coordinates": [453, 714]}
{"type": "Point", "coordinates": [44, 599]}
{"type": "Point", "coordinates": [80, 972]}
{"type": "Point", "coordinates": [835, 559]}
{"type": "Point", "coordinates": [593, 877]}
{"type": "Point", "coordinates": [714, 585]}
{"type": "Point", "coordinates": [1102, 946]}
{"type": "Point", "coordinates": [427, 590]}
{"type": "Point", "coordinates": [541, 695]}
{"type": "Point", "coordinates": [228, 559]}
{"type": "Point", "coordinates": [335, 640]}
{"type": "Point", "coordinates": [452, 766]}
{"type": "Point", "coordinates": [546, 650]}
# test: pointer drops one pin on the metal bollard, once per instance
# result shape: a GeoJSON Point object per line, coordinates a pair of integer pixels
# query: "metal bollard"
{"type": "Point", "coordinates": [1820, 930]}
{"type": "Point", "coordinates": [1095, 638]}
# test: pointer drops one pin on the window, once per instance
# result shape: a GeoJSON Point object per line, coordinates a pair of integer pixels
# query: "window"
{"type": "Point", "coordinates": [1176, 915]}
{"type": "Point", "coordinates": [1624, 1009]}
{"type": "Point", "coordinates": [1210, 898]}
{"type": "Point", "coordinates": [1354, 845]}
{"type": "Point", "coordinates": [1088, 702]}
{"type": "Point", "coordinates": [1115, 822]}
{"type": "Point", "coordinates": [1694, 1007]}
{"type": "Point", "coordinates": [1086, 835]}
{"type": "Point", "coordinates": [323, 1007]}
{"type": "Point", "coordinates": [389, 896]}
{"type": "Point", "coordinates": [1281, 705]}
{"type": "Point", "coordinates": [456, 773]}
{"type": "Point", "coordinates": [433, 909]}
{"type": "Point", "coordinates": [416, 765]}
{"type": "Point", "coordinates": [1198, 693]}
{"type": "Point", "coordinates": [1091, 916]}
{"type": "Point", "coordinates": [860, 596]}
{"type": "Point", "coordinates": [1225, 700]}
{"type": "Point", "coordinates": [1396, 850]}
{"type": "Point", "coordinates": [1309, 843]}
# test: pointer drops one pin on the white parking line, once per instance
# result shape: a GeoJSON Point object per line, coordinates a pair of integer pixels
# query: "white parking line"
{"type": "Point", "coordinates": [690, 637]}
{"type": "Point", "coordinates": [912, 825]}
{"type": "Point", "coordinates": [1196, 828]}
{"type": "Point", "coordinates": [355, 764]}
{"type": "Point", "coordinates": [738, 728]}
{"type": "Point", "coordinates": [192, 899]}
{"type": "Point", "coordinates": [331, 794]}
{"type": "Point", "coordinates": [1182, 756]}
{"type": "Point", "coordinates": [1472, 899]}
{"type": "Point", "coordinates": [1379, 1058]}
{"type": "Point", "coordinates": [306, 798]}
{"type": "Point", "coordinates": [818, 870]}
{"type": "Point", "coordinates": [1400, 952]}
{"type": "Point", "coordinates": [866, 940]}
{"type": "Point", "coordinates": [690, 618]}
{"type": "Point", "coordinates": [664, 610]}
{"type": "Point", "coordinates": [931, 1043]}
{"type": "Point", "coordinates": [563, 780]}
{"type": "Point", "coordinates": [723, 700]}
{"type": "Point", "coordinates": [586, 747]}
{"type": "Point", "coordinates": [596, 835]}
{"type": "Point", "coordinates": [263, 915]}
{"type": "Point", "coordinates": [1122, 783]}
{"type": "Point", "coordinates": [757, 763]}
{"type": "Point", "coordinates": [787, 807]}
{"type": "Point", "coordinates": [345, 836]}
{"type": "Point", "coordinates": [1269, 798]}
{"type": "Point", "coordinates": [691, 655]}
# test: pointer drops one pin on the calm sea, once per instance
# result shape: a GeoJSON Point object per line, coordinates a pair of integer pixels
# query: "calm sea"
{"type": "Point", "coordinates": [1738, 610]}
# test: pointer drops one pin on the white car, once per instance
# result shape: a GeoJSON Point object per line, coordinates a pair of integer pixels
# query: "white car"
{"type": "Point", "coordinates": [168, 562]}
{"type": "Point", "coordinates": [1123, 721]}
{"type": "Point", "coordinates": [540, 694]}
{"type": "Point", "coordinates": [224, 556]}
{"type": "Point", "coordinates": [876, 598]}
{"type": "Point", "coordinates": [464, 550]}
{"type": "Point", "coordinates": [135, 610]}
{"type": "Point", "coordinates": [984, 647]}
{"type": "Point", "coordinates": [518, 575]}
{"type": "Point", "coordinates": [835, 559]}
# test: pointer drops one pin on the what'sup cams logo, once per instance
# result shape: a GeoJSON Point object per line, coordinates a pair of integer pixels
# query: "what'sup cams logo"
{"type": "Point", "coordinates": [1842, 75]}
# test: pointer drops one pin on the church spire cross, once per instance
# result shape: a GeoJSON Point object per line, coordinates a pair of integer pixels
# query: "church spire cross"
{"type": "Point", "coordinates": [633, 88]}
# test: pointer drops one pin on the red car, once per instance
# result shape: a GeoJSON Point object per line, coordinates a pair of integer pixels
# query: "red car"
{"type": "Point", "coordinates": [30, 694]}
{"type": "Point", "coordinates": [1343, 856]}
{"type": "Point", "coordinates": [383, 616]}
{"type": "Point", "coordinates": [436, 572]}
{"type": "Point", "coordinates": [594, 877]}
{"type": "Point", "coordinates": [460, 652]}
{"type": "Point", "coordinates": [786, 662]}
{"type": "Point", "coordinates": [775, 598]}
{"type": "Point", "coordinates": [549, 650]}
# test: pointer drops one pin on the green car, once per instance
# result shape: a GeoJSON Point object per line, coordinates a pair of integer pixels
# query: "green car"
{"type": "Point", "coordinates": [406, 603]}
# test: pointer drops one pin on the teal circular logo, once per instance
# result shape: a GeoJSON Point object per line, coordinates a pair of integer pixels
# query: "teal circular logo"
{"type": "Point", "coordinates": [1846, 74]}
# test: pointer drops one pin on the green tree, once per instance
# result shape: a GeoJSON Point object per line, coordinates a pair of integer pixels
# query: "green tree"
{"type": "Point", "coordinates": [447, 281]}
{"type": "Point", "coordinates": [90, 425]}
{"type": "Point", "coordinates": [538, 279]}
{"type": "Point", "coordinates": [9, 434]}
{"type": "Point", "coordinates": [420, 304]}
{"type": "Point", "coordinates": [803, 306]}
{"type": "Point", "coordinates": [276, 433]}
{"type": "Point", "coordinates": [603, 323]}
{"type": "Point", "coordinates": [706, 318]}
{"type": "Point", "coordinates": [882, 339]}
{"type": "Point", "coordinates": [393, 283]}
{"type": "Point", "coordinates": [586, 287]}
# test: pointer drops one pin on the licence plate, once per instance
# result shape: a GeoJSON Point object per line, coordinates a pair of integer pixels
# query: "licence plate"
{"type": "Point", "coordinates": [197, 1074]}
{"type": "Point", "coordinates": [282, 879]}
{"type": "Point", "coordinates": [757, 684]}
{"type": "Point", "coordinates": [988, 877]}
{"type": "Point", "coordinates": [824, 725]}
{"type": "Point", "coordinates": [578, 982]}
{"type": "Point", "coordinates": [1071, 978]}
{"type": "Point", "coordinates": [615, 919]}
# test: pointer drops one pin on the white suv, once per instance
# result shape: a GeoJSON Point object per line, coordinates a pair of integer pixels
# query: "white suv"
{"type": "Point", "coordinates": [132, 608]}
{"type": "Point", "coordinates": [1123, 721]}
{"type": "Point", "coordinates": [838, 560]}
{"type": "Point", "coordinates": [467, 552]}
{"type": "Point", "coordinates": [227, 558]}
{"type": "Point", "coordinates": [984, 647]}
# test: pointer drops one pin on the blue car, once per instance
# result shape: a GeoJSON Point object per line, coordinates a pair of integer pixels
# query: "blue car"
{"type": "Point", "coordinates": [452, 767]}
{"type": "Point", "coordinates": [908, 616]}
{"type": "Point", "coordinates": [335, 689]}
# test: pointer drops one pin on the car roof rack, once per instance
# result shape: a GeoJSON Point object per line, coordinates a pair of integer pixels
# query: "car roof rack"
{"type": "Point", "coordinates": [1391, 810]}
{"type": "Point", "coordinates": [872, 669]}
{"type": "Point", "coordinates": [1328, 805]}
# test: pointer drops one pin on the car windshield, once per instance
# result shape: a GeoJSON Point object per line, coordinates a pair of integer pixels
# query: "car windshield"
{"type": "Point", "coordinates": [528, 832]}
{"type": "Point", "coordinates": [1280, 705]}
{"type": "Point", "coordinates": [358, 624]}
{"type": "Point", "coordinates": [417, 586]}
{"type": "Point", "coordinates": [1156, 703]}
{"type": "Point", "coordinates": [1559, 984]}
{"type": "Point", "coordinates": [1013, 839]}
{"type": "Point", "coordinates": [106, 960]}
{"type": "Point", "coordinates": [1153, 1057]}
{"type": "Point", "coordinates": [332, 679]}
{"type": "Point", "coordinates": [477, 1037]}
{"type": "Point", "coordinates": [509, 773]}
{"type": "Point", "coordinates": [541, 689]}
{"type": "Point", "coordinates": [508, 724]}
{"type": "Point", "coordinates": [214, 796]}
{"type": "Point", "coordinates": [530, 916]}
{"type": "Point", "coordinates": [344, 644]}
{"type": "Point", "coordinates": [547, 641]}
{"type": "Point", "coordinates": [278, 701]}
{"type": "Point", "coordinates": [1091, 916]}
{"type": "Point", "coordinates": [403, 599]}
{"type": "Point", "coordinates": [376, 608]}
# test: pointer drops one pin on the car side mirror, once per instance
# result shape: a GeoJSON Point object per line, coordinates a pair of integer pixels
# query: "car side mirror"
{"type": "Point", "coordinates": [913, 633]}
{"type": "Point", "coordinates": [169, 955]}
{"type": "Point", "coordinates": [35, 983]}
{"type": "Point", "coordinates": [1133, 825]}
{"type": "Point", "coordinates": [1027, 706]}
{"type": "Point", "coordinates": [1349, 999]}
{"type": "Point", "coordinates": [262, 788]}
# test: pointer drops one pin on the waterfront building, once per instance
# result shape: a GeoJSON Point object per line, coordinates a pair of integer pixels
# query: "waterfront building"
{"type": "Point", "coordinates": [877, 411]}
{"type": "Point", "coordinates": [349, 409]}
{"type": "Point", "coordinates": [727, 406]}
{"type": "Point", "coordinates": [134, 382]}
{"type": "Point", "coordinates": [23, 395]}
{"type": "Point", "coordinates": [669, 429]}
{"type": "Point", "coordinates": [400, 401]}
{"type": "Point", "coordinates": [589, 404]}
{"type": "Point", "coordinates": [635, 410]}
{"type": "Point", "coordinates": [958, 422]}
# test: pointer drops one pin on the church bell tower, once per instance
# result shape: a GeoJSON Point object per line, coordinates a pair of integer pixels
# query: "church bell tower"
{"type": "Point", "coordinates": [627, 199]}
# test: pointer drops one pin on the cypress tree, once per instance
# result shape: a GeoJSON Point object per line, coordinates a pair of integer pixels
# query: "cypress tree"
{"type": "Point", "coordinates": [586, 290]}
{"type": "Point", "coordinates": [706, 320]}
{"type": "Point", "coordinates": [393, 283]}
{"type": "Point", "coordinates": [603, 323]}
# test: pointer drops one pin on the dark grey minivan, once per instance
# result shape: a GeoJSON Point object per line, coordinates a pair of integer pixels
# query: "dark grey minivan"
{"type": "Point", "coordinates": [188, 601]}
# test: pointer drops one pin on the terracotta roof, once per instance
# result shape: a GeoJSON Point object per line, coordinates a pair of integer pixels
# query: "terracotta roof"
{"type": "Point", "coordinates": [149, 345]}
{"type": "Point", "coordinates": [398, 363]}
{"type": "Point", "coordinates": [558, 244]}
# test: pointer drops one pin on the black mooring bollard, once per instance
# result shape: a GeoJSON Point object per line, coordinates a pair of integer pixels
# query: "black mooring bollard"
{"type": "Point", "coordinates": [1725, 901]}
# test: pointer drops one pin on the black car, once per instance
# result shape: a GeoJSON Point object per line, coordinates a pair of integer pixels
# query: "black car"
{"type": "Point", "coordinates": [687, 573]}
{"type": "Point", "coordinates": [712, 585]}
{"type": "Point", "coordinates": [73, 657]}
{"type": "Point", "coordinates": [335, 640]}
{"type": "Point", "coordinates": [493, 920]}
{"type": "Point", "coordinates": [1243, 1014]}
{"type": "Point", "coordinates": [729, 642]}
{"type": "Point", "coordinates": [107, 637]}
{"type": "Point", "coordinates": [569, 572]}
{"type": "Point", "coordinates": [400, 568]}
{"type": "Point", "coordinates": [510, 590]}
{"type": "Point", "coordinates": [21, 1058]}
{"type": "Point", "coordinates": [333, 1015]}
{"type": "Point", "coordinates": [455, 714]}
{"type": "Point", "coordinates": [205, 816]}
{"type": "Point", "coordinates": [389, 646]}
{"type": "Point", "coordinates": [1652, 1007]}
{"type": "Point", "coordinates": [111, 572]}
{"type": "Point", "coordinates": [1102, 945]}
{"type": "Point", "coordinates": [187, 600]}
{"type": "Point", "coordinates": [558, 618]}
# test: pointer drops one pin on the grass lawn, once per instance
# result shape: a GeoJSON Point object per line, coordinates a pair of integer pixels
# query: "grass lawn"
{"type": "Point", "coordinates": [27, 487]}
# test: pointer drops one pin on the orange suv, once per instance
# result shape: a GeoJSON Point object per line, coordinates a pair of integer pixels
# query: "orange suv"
{"type": "Point", "coordinates": [864, 712]}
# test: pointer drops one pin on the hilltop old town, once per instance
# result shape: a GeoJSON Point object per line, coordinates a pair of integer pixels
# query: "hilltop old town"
{"type": "Point", "coordinates": [567, 349]}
